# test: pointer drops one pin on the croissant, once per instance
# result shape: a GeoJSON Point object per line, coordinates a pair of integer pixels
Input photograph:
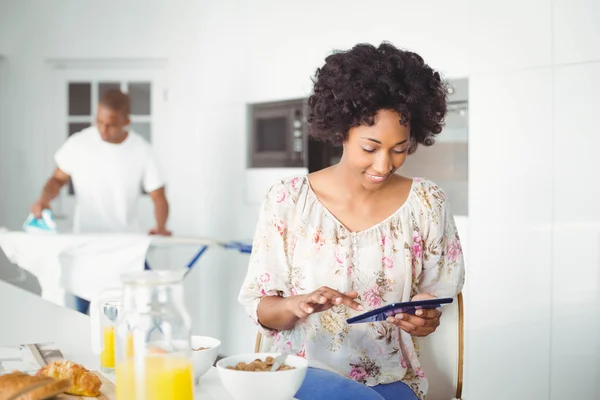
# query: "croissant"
{"type": "Point", "coordinates": [21, 386]}
{"type": "Point", "coordinates": [83, 382]}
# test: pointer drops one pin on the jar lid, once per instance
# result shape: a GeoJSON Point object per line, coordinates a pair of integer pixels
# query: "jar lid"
{"type": "Point", "coordinates": [111, 309]}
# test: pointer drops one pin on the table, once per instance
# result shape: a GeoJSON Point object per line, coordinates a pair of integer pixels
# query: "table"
{"type": "Point", "coordinates": [27, 318]}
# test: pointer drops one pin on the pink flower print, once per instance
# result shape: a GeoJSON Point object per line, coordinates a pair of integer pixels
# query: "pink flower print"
{"type": "Point", "coordinates": [454, 250]}
{"type": "Point", "coordinates": [288, 345]}
{"type": "Point", "coordinates": [270, 333]}
{"type": "Point", "coordinates": [417, 180]}
{"type": "Point", "coordinates": [280, 225]}
{"type": "Point", "coordinates": [403, 363]}
{"type": "Point", "coordinates": [358, 374]}
{"type": "Point", "coordinates": [294, 182]}
{"type": "Point", "coordinates": [417, 247]}
{"type": "Point", "coordinates": [383, 240]}
{"type": "Point", "coordinates": [281, 195]}
{"type": "Point", "coordinates": [419, 372]}
{"type": "Point", "coordinates": [340, 255]}
{"type": "Point", "coordinates": [349, 269]}
{"type": "Point", "coordinates": [262, 292]}
{"type": "Point", "coordinates": [293, 291]}
{"type": "Point", "coordinates": [319, 239]}
{"type": "Point", "coordinates": [294, 245]}
{"type": "Point", "coordinates": [301, 353]}
{"type": "Point", "coordinates": [372, 296]}
{"type": "Point", "coordinates": [264, 278]}
{"type": "Point", "coordinates": [387, 262]}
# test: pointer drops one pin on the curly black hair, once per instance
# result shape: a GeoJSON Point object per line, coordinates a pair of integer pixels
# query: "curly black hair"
{"type": "Point", "coordinates": [354, 84]}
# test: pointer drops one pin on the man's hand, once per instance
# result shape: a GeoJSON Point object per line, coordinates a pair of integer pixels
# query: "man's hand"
{"type": "Point", "coordinates": [423, 323]}
{"type": "Point", "coordinates": [38, 207]}
{"type": "Point", "coordinates": [162, 231]}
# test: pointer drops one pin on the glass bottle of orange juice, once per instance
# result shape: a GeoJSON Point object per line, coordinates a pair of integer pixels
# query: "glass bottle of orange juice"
{"type": "Point", "coordinates": [104, 312]}
{"type": "Point", "coordinates": [152, 337]}
{"type": "Point", "coordinates": [108, 323]}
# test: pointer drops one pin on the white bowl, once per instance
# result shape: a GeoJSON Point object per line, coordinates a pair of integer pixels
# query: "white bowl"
{"type": "Point", "coordinates": [278, 385]}
{"type": "Point", "coordinates": [204, 359]}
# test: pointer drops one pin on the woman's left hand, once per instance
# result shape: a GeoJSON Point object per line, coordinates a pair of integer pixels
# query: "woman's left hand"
{"type": "Point", "coordinates": [424, 322]}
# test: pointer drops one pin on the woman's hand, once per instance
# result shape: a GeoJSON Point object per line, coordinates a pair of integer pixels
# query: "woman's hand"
{"type": "Point", "coordinates": [322, 299]}
{"type": "Point", "coordinates": [424, 322]}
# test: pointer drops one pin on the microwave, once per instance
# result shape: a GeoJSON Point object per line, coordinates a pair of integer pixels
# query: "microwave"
{"type": "Point", "coordinates": [278, 134]}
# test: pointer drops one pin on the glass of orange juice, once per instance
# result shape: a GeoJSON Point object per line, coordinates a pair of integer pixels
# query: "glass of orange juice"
{"type": "Point", "coordinates": [107, 356]}
{"type": "Point", "coordinates": [108, 320]}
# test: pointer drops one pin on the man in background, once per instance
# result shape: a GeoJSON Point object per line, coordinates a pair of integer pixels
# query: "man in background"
{"type": "Point", "coordinates": [108, 165]}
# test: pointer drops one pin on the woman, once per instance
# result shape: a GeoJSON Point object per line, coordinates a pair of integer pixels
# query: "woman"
{"type": "Point", "coordinates": [356, 236]}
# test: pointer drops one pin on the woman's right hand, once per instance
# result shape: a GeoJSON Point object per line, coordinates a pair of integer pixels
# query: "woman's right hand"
{"type": "Point", "coordinates": [322, 299]}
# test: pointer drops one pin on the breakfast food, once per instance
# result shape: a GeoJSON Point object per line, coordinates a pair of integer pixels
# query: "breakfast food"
{"type": "Point", "coordinates": [20, 386]}
{"type": "Point", "coordinates": [259, 365]}
{"type": "Point", "coordinates": [156, 351]}
{"type": "Point", "coordinates": [82, 381]}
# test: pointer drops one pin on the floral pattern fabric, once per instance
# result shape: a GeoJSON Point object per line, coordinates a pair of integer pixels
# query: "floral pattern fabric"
{"type": "Point", "coordinates": [300, 246]}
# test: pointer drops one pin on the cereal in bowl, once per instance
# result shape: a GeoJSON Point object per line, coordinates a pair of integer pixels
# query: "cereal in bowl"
{"type": "Point", "coordinates": [259, 365]}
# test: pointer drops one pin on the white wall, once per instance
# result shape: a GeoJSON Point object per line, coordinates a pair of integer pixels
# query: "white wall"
{"type": "Point", "coordinates": [576, 232]}
{"type": "Point", "coordinates": [534, 238]}
{"type": "Point", "coordinates": [534, 329]}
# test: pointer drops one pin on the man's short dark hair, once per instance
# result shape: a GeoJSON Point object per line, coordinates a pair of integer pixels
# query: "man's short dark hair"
{"type": "Point", "coordinates": [117, 101]}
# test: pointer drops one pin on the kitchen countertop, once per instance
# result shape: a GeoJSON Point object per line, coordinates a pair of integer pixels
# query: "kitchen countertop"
{"type": "Point", "coordinates": [27, 318]}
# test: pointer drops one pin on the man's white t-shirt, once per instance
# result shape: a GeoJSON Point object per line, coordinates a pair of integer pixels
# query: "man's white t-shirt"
{"type": "Point", "coordinates": [108, 179]}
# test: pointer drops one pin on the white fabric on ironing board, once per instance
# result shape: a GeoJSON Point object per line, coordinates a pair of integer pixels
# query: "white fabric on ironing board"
{"type": "Point", "coordinates": [81, 264]}
{"type": "Point", "coordinates": [38, 255]}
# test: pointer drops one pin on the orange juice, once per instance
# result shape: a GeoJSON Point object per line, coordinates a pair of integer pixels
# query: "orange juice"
{"type": "Point", "coordinates": [107, 357]}
{"type": "Point", "coordinates": [129, 345]}
{"type": "Point", "coordinates": [165, 377]}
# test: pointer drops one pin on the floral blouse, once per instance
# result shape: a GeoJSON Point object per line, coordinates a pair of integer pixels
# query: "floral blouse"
{"type": "Point", "coordinates": [300, 246]}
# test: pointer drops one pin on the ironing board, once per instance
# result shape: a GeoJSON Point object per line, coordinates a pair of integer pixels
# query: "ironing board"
{"type": "Point", "coordinates": [85, 264]}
